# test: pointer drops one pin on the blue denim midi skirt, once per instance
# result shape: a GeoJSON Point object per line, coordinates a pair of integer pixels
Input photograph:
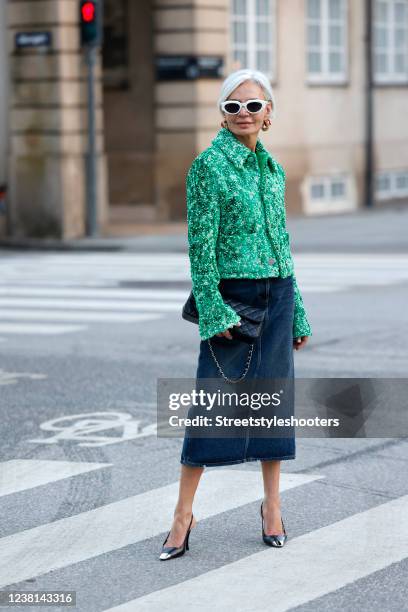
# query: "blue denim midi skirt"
{"type": "Point", "coordinates": [272, 357]}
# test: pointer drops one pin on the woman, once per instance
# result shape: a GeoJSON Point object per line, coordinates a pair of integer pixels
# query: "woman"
{"type": "Point", "coordinates": [239, 246]}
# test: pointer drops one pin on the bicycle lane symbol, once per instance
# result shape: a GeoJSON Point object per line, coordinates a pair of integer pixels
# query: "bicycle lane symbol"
{"type": "Point", "coordinates": [84, 429]}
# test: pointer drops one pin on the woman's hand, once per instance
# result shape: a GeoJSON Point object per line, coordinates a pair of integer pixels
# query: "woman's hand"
{"type": "Point", "coordinates": [299, 342]}
{"type": "Point", "coordinates": [226, 333]}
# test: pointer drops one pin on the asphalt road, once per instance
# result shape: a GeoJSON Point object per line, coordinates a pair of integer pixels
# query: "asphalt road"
{"type": "Point", "coordinates": [87, 489]}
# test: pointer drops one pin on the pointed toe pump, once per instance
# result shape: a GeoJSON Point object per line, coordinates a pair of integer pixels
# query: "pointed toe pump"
{"type": "Point", "coordinates": [171, 552]}
{"type": "Point", "coordinates": [274, 540]}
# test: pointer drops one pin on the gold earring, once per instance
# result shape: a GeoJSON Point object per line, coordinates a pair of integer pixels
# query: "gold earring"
{"type": "Point", "coordinates": [266, 124]}
{"type": "Point", "coordinates": [224, 124]}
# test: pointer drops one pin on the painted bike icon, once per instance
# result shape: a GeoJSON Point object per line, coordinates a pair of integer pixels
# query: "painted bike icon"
{"type": "Point", "coordinates": [85, 429]}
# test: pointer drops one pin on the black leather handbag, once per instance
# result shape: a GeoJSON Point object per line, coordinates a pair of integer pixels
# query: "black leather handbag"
{"type": "Point", "coordinates": [249, 330]}
{"type": "Point", "coordinates": [251, 318]}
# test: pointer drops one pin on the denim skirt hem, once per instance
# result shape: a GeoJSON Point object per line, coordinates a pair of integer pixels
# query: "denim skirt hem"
{"type": "Point", "coordinates": [234, 461]}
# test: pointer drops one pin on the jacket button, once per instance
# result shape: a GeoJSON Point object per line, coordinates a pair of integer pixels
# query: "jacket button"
{"type": "Point", "coordinates": [271, 260]}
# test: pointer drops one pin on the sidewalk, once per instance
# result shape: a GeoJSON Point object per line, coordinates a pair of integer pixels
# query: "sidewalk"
{"type": "Point", "coordinates": [382, 229]}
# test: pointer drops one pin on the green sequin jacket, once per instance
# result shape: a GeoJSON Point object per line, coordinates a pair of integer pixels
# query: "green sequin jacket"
{"type": "Point", "coordinates": [236, 227]}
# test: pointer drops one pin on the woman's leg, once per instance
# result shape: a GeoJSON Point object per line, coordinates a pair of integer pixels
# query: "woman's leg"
{"type": "Point", "coordinates": [189, 479]}
{"type": "Point", "coordinates": [271, 503]}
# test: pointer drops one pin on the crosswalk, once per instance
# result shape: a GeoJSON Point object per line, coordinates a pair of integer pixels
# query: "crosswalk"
{"type": "Point", "coordinates": [315, 563]}
{"type": "Point", "coordinates": [115, 525]}
{"type": "Point", "coordinates": [53, 294]}
{"type": "Point", "coordinates": [64, 293]}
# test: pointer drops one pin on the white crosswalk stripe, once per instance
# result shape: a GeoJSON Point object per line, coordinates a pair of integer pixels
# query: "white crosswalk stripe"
{"type": "Point", "coordinates": [35, 551]}
{"type": "Point", "coordinates": [22, 474]}
{"type": "Point", "coordinates": [315, 563]}
{"type": "Point", "coordinates": [84, 304]}
{"type": "Point", "coordinates": [51, 315]}
{"type": "Point", "coordinates": [63, 293]}
{"type": "Point", "coordinates": [99, 267]}
{"type": "Point", "coordinates": [73, 292]}
{"type": "Point", "coordinates": [40, 329]}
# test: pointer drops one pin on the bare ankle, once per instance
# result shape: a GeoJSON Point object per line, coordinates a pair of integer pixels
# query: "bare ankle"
{"type": "Point", "coordinates": [272, 502]}
{"type": "Point", "coordinates": [182, 513]}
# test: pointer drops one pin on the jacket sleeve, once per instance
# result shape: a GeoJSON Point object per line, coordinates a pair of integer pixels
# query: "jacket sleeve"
{"type": "Point", "coordinates": [301, 325]}
{"type": "Point", "coordinates": [203, 218]}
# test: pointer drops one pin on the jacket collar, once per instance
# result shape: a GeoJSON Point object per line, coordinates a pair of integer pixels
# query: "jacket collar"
{"type": "Point", "coordinates": [237, 152]}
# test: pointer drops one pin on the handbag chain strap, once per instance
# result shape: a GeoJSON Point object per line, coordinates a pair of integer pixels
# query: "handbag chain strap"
{"type": "Point", "coordinates": [248, 362]}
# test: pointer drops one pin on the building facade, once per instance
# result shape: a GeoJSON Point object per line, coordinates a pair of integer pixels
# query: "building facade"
{"type": "Point", "coordinates": [159, 75]}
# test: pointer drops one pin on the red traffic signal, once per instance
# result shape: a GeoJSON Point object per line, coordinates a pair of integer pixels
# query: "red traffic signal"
{"type": "Point", "coordinates": [88, 11]}
{"type": "Point", "coordinates": [91, 22]}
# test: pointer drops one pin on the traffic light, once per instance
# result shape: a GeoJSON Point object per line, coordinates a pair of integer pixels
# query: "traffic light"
{"type": "Point", "coordinates": [91, 23]}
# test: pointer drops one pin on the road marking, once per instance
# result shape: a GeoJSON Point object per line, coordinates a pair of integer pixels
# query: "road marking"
{"type": "Point", "coordinates": [117, 305]}
{"type": "Point", "coordinates": [70, 540]}
{"type": "Point", "coordinates": [66, 260]}
{"type": "Point", "coordinates": [40, 329]}
{"type": "Point", "coordinates": [11, 378]}
{"type": "Point", "coordinates": [87, 429]}
{"type": "Point", "coordinates": [118, 317]}
{"type": "Point", "coordinates": [42, 258]}
{"type": "Point", "coordinates": [115, 293]}
{"type": "Point", "coordinates": [97, 258]}
{"type": "Point", "coordinates": [314, 288]}
{"type": "Point", "coordinates": [308, 567]}
{"type": "Point", "coordinates": [22, 474]}
{"type": "Point", "coordinates": [59, 283]}
{"type": "Point", "coordinates": [96, 278]}
{"type": "Point", "coordinates": [316, 272]}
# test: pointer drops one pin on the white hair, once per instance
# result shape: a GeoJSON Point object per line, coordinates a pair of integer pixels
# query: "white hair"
{"type": "Point", "coordinates": [235, 79]}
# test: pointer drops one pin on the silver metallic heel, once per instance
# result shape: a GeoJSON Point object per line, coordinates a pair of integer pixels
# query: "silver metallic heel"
{"type": "Point", "coordinates": [274, 540]}
{"type": "Point", "coordinates": [171, 552]}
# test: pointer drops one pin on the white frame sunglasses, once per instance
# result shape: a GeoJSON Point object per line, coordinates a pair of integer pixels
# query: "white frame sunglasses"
{"type": "Point", "coordinates": [263, 103]}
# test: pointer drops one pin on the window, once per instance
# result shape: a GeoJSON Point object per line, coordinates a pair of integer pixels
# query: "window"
{"type": "Point", "coordinates": [253, 35]}
{"type": "Point", "coordinates": [328, 188]}
{"type": "Point", "coordinates": [391, 41]}
{"type": "Point", "coordinates": [392, 184]}
{"type": "Point", "coordinates": [115, 48]}
{"type": "Point", "coordinates": [401, 183]}
{"type": "Point", "coordinates": [317, 191]}
{"type": "Point", "coordinates": [331, 193]}
{"type": "Point", "coordinates": [337, 189]}
{"type": "Point", "coordinates": [383, 185]}
{"type": "Point", "coordinates": [326, 41]}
